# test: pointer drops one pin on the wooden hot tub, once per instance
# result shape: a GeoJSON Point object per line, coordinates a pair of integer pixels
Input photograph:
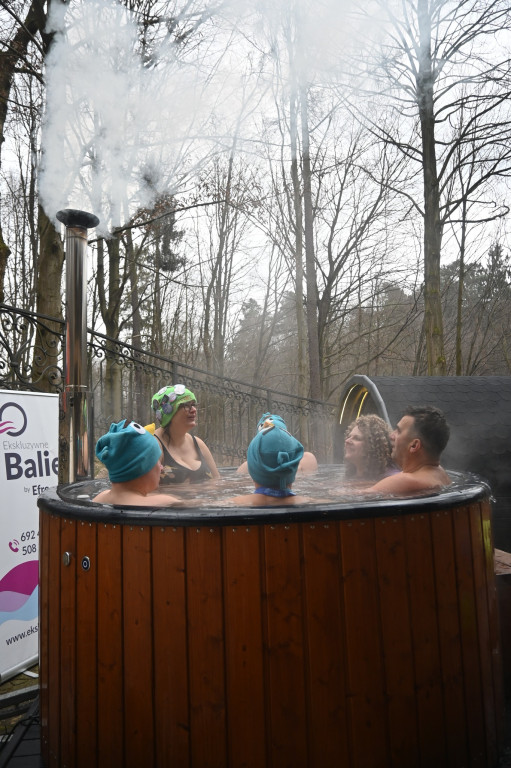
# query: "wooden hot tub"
{"type": "Point", "coordinates": [324, 636]}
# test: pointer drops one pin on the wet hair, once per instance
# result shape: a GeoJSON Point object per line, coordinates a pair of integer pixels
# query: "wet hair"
{"type": "Point", "coordinates": [431, 427]}
{"type": "Point", "coordinates": [376, 434]}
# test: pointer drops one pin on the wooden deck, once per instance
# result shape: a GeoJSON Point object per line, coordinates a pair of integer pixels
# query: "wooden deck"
{"type": "Point", "coordinates": [23, 749]}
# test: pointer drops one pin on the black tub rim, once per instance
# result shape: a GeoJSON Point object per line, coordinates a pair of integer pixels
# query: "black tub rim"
{"type": "Point", "coordinates": [56, 500]}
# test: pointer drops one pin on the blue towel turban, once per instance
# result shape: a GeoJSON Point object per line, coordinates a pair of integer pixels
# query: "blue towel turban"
{"type": "Point", "coordinates": [128, 451]}
{"type": "Point", "coordinates": [273, 457]}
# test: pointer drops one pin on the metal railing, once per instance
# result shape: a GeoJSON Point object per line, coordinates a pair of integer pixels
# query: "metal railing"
{"type": "Point", "coordinates": [122, 380]}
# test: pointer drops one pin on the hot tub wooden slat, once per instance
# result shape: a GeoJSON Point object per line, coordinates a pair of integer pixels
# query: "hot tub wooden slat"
{"type": "Point", "coordinates": [170, 639]}
{"type": "Point", "coordinates": [138, 648]}
{"type": "Point", "coordinates": [493, 621]}
{"type": "Point", "coordinates": [244, 647]}
{"type": "Point", "coordinates": [53, 629]}
{"type": "Point", "coordinates": [206, 647]}
{"type": "Point", "coordinates": [481, 597]}
{"type": "Point", "coordinates": [425, 639]}
{"type": "Point", "coordinates": [287, 709]}
{"type": "Point", "coordinates": [469, 636]}
{"type": "Point", "coordinates": [110, 671]}
{"type": "Point", "coordinates": [86, 646]}
{"type": "Point", "coordinates": [367, 715]}
{"type": "Point", "coordinates": [397, 641]}
{"type": "Point", "coordinates": [328, 727]}
{"type": "Point", "coordinates": [449, 638]}
{"type": "Point", "coordinates": [44, 631]}
{"type": "Point", "coordinates": [68, 644]}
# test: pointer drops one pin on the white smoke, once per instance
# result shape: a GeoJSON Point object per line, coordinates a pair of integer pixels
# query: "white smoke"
{"type": "Point", "coordinates": [117, 131]}
{"type": "Point", "coordinates": [120, 130]}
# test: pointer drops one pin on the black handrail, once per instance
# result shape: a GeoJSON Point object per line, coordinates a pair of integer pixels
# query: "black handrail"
{"type": "Point", "coordinates": [32, 357]}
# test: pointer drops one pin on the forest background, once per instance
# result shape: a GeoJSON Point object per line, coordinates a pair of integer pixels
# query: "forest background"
{"type": "Point", "coordinates": [289, 192]}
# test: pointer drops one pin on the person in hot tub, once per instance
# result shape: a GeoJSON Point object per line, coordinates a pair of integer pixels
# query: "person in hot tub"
{"type": "Point", "coordinates": [273, 457]}
{"type": "Point", "coordinates": [133, 459]}
{"type": "Point", "coordinates": [417, 444]}
{"type": "Point", "coordinates": [308, 463]}
{"type": "Point", "coordinates": [367, 450]}
{"type": "Point", "coordinates": [186, 458]}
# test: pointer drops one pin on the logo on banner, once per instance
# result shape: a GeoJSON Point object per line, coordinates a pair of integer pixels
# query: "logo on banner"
{"type": "Point", "coordinates": [24, 459]}
{"type": "Point", "coordinates": [16, 424]}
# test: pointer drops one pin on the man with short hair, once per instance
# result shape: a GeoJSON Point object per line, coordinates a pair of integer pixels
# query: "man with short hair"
{"type": "Point", "coordinates": [417, 443]}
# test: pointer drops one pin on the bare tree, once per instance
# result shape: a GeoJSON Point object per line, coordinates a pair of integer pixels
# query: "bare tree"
{"type": "Point", "coordinates": [443, 71]}
{"type": "Point", "coordinates": [18, 33]}
{"type": "Point", "coordinates": [26, 43]}
{"type": "Point", "coordinates": [221, 263]}
{"type": "Point", "coordinates": [484, 310]}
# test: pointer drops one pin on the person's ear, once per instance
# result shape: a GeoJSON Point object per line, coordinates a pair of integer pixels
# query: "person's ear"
{"type": "Point", "coordinates": [415, 445]}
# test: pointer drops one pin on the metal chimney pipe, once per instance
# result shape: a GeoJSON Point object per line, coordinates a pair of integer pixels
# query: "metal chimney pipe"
{"type": "Point", "coordinates": [74, 451]}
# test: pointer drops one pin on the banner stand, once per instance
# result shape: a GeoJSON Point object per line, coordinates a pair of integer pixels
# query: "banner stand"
{"type": "Point", "coordinates": [19, 668]}
{"type": "Point", "coordinates": [28, 466]}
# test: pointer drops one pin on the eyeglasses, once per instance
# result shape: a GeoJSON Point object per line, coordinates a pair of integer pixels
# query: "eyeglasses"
{"type": "Point", "coordinates": [188, 406]}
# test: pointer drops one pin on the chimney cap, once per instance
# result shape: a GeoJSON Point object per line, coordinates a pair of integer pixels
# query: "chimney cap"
{"type": "Point", "coordinates": [72, 217]}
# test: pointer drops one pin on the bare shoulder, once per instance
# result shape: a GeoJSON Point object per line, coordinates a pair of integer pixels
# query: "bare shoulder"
{"type": "Point", "coordinates": [411, 482]}
{"type": "Point", "coordinates": [301, 500]}
{"type": "Point", "coordinates": [208, 456]}
{"type": "Point", "coordinates": [246, 500]}
{"type": "Point", "coordinates": [201, 442]}
{"type": "Point", "coordinates": [202, 445]}
{"type": "Point", "coordinates": [308, 463]}
{"type": "Point", "coordinates": [401, 482]}
{"type": "Point", "coordinates": [135, 500]}
{"type": "Point", "coordinates": [163, 500]}
{"type": "Point", "coordinates": [102, 498]}
{"type": "Point", "coordinates": [260, 500]}
{"type": "Point", "coordinates": [446, 480]}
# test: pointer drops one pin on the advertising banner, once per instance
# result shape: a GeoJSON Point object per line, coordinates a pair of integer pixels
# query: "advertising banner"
{"type": "Point", "coordinates": [28, 466]}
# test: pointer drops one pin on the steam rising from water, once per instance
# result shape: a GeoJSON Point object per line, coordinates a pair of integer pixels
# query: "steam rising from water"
{"type": "Point", "coordinates": [115, 128]}
{"type": "Point", "coordinates": [326, 486]}
{"type": "Point", "coordinates": [124, 125]}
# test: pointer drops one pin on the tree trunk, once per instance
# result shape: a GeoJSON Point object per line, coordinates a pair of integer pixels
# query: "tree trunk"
{"type": "Point", "coordinates": [111, 402]}
{"type": "Point", "coordinates": [433, 320]}
{"type": "Point", "coordinates": [48, 301]}
{"type": "Point", "coordinates": [459, 303]}
{"type": "Point", "coordinates": [310, 261]}
{"type": "Point", "coordinates": [157, 332]}
{"type": "Point", "coordinates": [298, 239]}
{"type": "Point", "coordinates": [217, 291]}
{"type": "Point", "coordinates": [138, 393]}
{"type": "Point", "coordinates": [5, 252]}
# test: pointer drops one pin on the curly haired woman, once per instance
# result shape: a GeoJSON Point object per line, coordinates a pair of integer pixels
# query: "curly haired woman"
{"type": "Point", "coordinates": [367, 450]}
